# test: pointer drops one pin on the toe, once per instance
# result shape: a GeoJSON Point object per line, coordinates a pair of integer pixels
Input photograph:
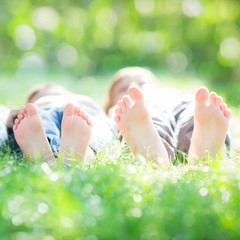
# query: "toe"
{"type": "Point", "coordinates": [218, 100]}
{"type": "Point", "coordinates": [118, 111]}
{"type": "Point", "coordinates": [20, 116]}
{"type": "Point", "coordinates": [23, 111]}
{"type": "Point", "coordinates": [122, 105]}
{"type": "Point", "coordinates": [89, 122]}
{"type": "Point", "coordinates": [127, 101]}
{"type": "Point", "coordinates": [227, 113]}
{"type": "Point", "coordinates": [80, 113]}
{"type": "Point", "coordinates": [17, 121]}
{"type": "Point", "coordinates": [117, 119]}
{"type": "Point", "coordinates": [14, 127]}
{"type": "Point", "coordinates": [31, 109]}
{"type": "Point", "coordinates": [212, 97]}
{"type": "Point", "coordinates": [69, 110]}
{"type": "Point", "coordinates": [77, 110]}
{"type": "Point", "coordinates": [223, 106]}
{"type": "Point", "coordinates": [201, 95]}
{"type": "Point", "coordinates": [135, 94]}
{"type": "Point", "coordinates": [85, 117]}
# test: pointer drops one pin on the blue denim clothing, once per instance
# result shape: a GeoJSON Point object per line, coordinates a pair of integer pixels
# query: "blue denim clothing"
{"type": "Point", "coordinates": [103, 129]}
{"type": "Point", "coordinates": [4, 112]}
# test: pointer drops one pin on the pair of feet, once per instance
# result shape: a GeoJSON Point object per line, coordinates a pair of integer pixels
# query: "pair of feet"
{"type": "Point", "coordinates": [31, 138]}
{"type": "Point", "coordinates": [211, 119]}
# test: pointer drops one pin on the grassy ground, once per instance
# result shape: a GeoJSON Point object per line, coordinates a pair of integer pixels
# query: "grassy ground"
{"type": "Point", "coordinates": [117, 196]}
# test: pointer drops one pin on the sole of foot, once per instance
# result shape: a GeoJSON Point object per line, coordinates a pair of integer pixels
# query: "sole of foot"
{"type": "Point", "coordinates": [30, 136]}
{"type": "Point", "coordinates": [211, 120]}
{"type": "Point", "coordinates": [76, 129]}
{"type": "Point", "coordinates": [135, 124]}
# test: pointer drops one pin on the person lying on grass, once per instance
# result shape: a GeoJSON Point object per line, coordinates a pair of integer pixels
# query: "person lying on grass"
{"type": "Point", "coordinates": [156, 123]}
{"type": "Point", "coordinates": [3, 128]}
{"type": "Point", "coordinates": [59, 122]}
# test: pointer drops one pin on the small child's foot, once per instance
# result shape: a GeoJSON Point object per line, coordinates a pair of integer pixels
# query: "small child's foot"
{"type": "Point", "coordinates": [30, 135]}
{"type": "Point", "coordinates": [135, 124]}
{"type": "Point", "coordinates": [211, 119]}
{"type": "Point", "coordinates": [76, 131]}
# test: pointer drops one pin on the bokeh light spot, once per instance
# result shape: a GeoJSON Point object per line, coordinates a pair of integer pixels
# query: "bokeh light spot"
{"type": "Point", "coordinates": [45, 18]}
{"type": "Point", "coordinates": [137, 198]}
{"type": "Point", "coordinates": [54, 177]}
{"type": "Point", "coordinates": [66, 222]}
{"type": "Point", "coordinates": [192, 8]}
{"type": "Point", "coordinates": [13, 206]}
{"type": "Point", "coordinates": [153, 42]}
{"type": "Point", "coordinates": [88, 188]}
{"type": "Point", "coordinates": [42, 208]}
{"type": "Point", "coordinates": [67, 55]}
{"type": "Point", "coordinates": [203, 191]}
{"type": "Point", "coordinates": [230, 48]}
{"type": "Point", "coordinates": [106, 18]}
{"type": "Point", "coordinates": [144, 6]}
{"type": "Point", "coordinates": [135, 212]}
{"type": "Point", "coordinates": [25, 37]}
{"type": "Point", "coordinates": [45, 167]}
{"type": "Point", "coordinates": [177, 62]}
{"type": "Point", "coordinates": [31, 62]}
{"type": "Point", "coordinates": [17, 220]}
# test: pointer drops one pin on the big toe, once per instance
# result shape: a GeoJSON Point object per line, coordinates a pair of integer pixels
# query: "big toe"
{"type": "Point", "coordinates": [135, 94]}
{"type": "Point", "coordinates": [201, 94]}
{"type": "Point", "coordinates": [69, 109]}
{"type": "Point", "coordinates": [31, 109]}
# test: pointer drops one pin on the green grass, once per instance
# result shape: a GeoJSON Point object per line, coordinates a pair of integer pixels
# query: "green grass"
{"type": "Point", "coordinates": [117, 196]}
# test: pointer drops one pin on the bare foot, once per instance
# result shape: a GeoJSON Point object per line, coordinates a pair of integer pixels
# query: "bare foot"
{"type": "Point", "coordinates": [135, 124]}
{"type": "Point", "coordinates": [30, 135]}
{"type": "Point", "coordinates": [211, 119]}
{"type": "Point", "coordinates": [76, 131]}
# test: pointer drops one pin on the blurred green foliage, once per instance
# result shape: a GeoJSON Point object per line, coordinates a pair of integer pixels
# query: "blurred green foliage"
{"type": "Point", "coordinates": [84, 37]}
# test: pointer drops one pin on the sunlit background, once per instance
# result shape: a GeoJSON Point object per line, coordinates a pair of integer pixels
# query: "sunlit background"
{"type": "Point", "coordinates": [81, 44]}
{"type": "Point", "coordinates": [86, 38]}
